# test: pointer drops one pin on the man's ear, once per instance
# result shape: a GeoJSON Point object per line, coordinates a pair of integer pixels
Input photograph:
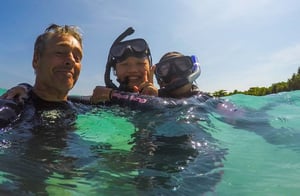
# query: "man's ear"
{"type": "Point", "coordinates": [35, 60]}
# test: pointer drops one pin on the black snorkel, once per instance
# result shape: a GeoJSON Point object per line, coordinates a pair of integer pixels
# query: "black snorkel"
{"type": "Point", "coordinates": [108, 82]}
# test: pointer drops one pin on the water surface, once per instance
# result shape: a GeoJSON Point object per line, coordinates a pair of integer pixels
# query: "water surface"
{"type": "Point", "coordinates": [188, 150]}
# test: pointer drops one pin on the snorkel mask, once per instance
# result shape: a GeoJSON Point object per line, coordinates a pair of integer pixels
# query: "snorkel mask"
{"type": "Point", "coordinates": [187, 68]}
{"type": "Point", "coordinates": [120, 51]}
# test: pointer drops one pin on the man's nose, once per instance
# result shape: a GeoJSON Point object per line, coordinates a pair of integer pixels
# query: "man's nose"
{"type": "Point", "coordinates": [69, 59]}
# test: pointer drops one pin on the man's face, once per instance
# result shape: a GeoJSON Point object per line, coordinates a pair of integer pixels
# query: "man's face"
{"type": "Point", "coordinates": [58, 67]}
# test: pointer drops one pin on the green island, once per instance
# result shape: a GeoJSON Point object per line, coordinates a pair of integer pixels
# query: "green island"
{"type": "Point", "coordinates": [291, 84]}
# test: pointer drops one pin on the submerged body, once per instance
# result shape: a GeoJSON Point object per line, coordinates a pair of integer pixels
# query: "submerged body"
{"type": "Point", "coordinates": [172, 150]}
{"type": "Point", "coordinates": [37, 137]}
{"type": "Point", "coordinates": [159, 158]}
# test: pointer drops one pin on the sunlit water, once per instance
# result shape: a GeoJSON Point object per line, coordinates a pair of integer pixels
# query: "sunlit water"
{"type": "Point", "coordinates": [187, 150]}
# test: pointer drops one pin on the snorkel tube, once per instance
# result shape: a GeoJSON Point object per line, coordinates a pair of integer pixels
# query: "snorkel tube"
{"type": "Point", "coordinates": [196, 71]}
{"type": "Point", "coordinates": [108, 82]}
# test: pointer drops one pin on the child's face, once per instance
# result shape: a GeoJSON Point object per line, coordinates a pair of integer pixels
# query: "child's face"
{"type": "Point", "coordinates": [132, 70]}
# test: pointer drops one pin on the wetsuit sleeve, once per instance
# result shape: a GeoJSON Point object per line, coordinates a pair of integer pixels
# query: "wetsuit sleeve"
{"type": "Point", "coordinates": [80, 99]}
{"type": "Point", "coordinates": [137, 101]}
{"type": "Point", "coordinates": [26, 86]}
{"type": "Point", "coordinates": [9, 112]}
{"type": "Point", "coordinates": [131, 100]}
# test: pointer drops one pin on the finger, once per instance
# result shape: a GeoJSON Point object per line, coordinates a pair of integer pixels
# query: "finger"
{"type": "Point", "coordinates": [151, 74]}
{"type": "Point", "coordinates": [9, 95]}
{"type": "Point", "coordinates": [146, 76]}
{"type": "Point", "coordinates": [135, 89]}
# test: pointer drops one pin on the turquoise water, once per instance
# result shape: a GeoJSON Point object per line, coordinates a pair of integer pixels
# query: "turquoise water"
{"type": "Point", "coordinates": [180, 151]}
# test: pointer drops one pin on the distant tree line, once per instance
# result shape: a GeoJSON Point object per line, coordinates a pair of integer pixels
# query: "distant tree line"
{"type": "Point", "coordinates": [290, 85]}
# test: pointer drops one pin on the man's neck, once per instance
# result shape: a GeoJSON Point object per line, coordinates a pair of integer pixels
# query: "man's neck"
{"type": "Point", "coordinates": [49, 94]}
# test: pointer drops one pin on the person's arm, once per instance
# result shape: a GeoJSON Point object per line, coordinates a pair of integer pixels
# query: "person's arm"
{"type": "Point", "coordinates": [18, 93]}
{"type": "Point", "coordinates": [103, 95]}
{"type": "Point", "coordinates": [80, 99]}
{"type": "Point", "coordinates": [9, 111]}
{"type": "Point", "coordinates": [227, 110]}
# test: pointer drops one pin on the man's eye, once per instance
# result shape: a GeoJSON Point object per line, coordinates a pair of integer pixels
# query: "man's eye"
{"type": "Point", "coordinates": [77, 58]}
{"type": "Point", "coordinates": [59, 53]}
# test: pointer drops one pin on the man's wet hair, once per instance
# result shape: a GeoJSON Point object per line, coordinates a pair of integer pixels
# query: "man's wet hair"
{"type": "Point", "coordinates": [53, 30]}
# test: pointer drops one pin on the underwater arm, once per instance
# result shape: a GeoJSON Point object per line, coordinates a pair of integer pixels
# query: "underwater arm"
{"type": "Point", "coordinates": [228, 112]}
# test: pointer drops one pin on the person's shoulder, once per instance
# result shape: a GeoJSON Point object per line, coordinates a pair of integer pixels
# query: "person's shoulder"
{"type": "Point", "coordinates": [202, 96]}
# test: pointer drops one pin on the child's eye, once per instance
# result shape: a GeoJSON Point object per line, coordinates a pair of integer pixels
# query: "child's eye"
{"type": "Point", "coordinates": [142, 64]}
{"type": "Point", "coordinates": [123, 64]}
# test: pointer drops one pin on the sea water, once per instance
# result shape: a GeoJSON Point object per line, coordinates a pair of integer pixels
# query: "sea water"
{"type": "Point", "coordinates": [185, 150]}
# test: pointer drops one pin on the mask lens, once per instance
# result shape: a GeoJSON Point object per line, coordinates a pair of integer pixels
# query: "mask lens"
{"type": "Point", "coordinates": [134, 46]}
{"type": "Point", "coordinates": [162, 69]}
{"type": "Point", "coordinates": [117, 50]}
{"type": "Point", "coordinates": [183, 64]}
{"type": "Point", "coordinates": [139, 45]}
{"type": "Point", "coordinates": [174, 67]}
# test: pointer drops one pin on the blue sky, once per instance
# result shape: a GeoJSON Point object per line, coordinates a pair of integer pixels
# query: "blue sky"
{"type": "Point", "coordinates": [239, 43]}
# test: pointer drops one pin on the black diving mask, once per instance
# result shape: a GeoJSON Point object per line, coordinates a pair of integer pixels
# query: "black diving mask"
{"type": "Point", "coordinates": [178, 66]}
{"type": "Point", "coordinates": [120, 50]}
{"type": "Point", "coordinates": [135, 47]}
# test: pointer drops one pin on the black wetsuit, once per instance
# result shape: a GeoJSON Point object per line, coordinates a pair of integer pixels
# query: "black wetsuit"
{"type": "Point", "coordinates": [9, 112]}
{"type": "Point", "coordinates": [37, 112]}
{"type": "Point", "coordinates": [171, 141]}
{"type": "Point", "coordinates": [32, 144]}
{"type": "Point", "coordinates": [155, 147]}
